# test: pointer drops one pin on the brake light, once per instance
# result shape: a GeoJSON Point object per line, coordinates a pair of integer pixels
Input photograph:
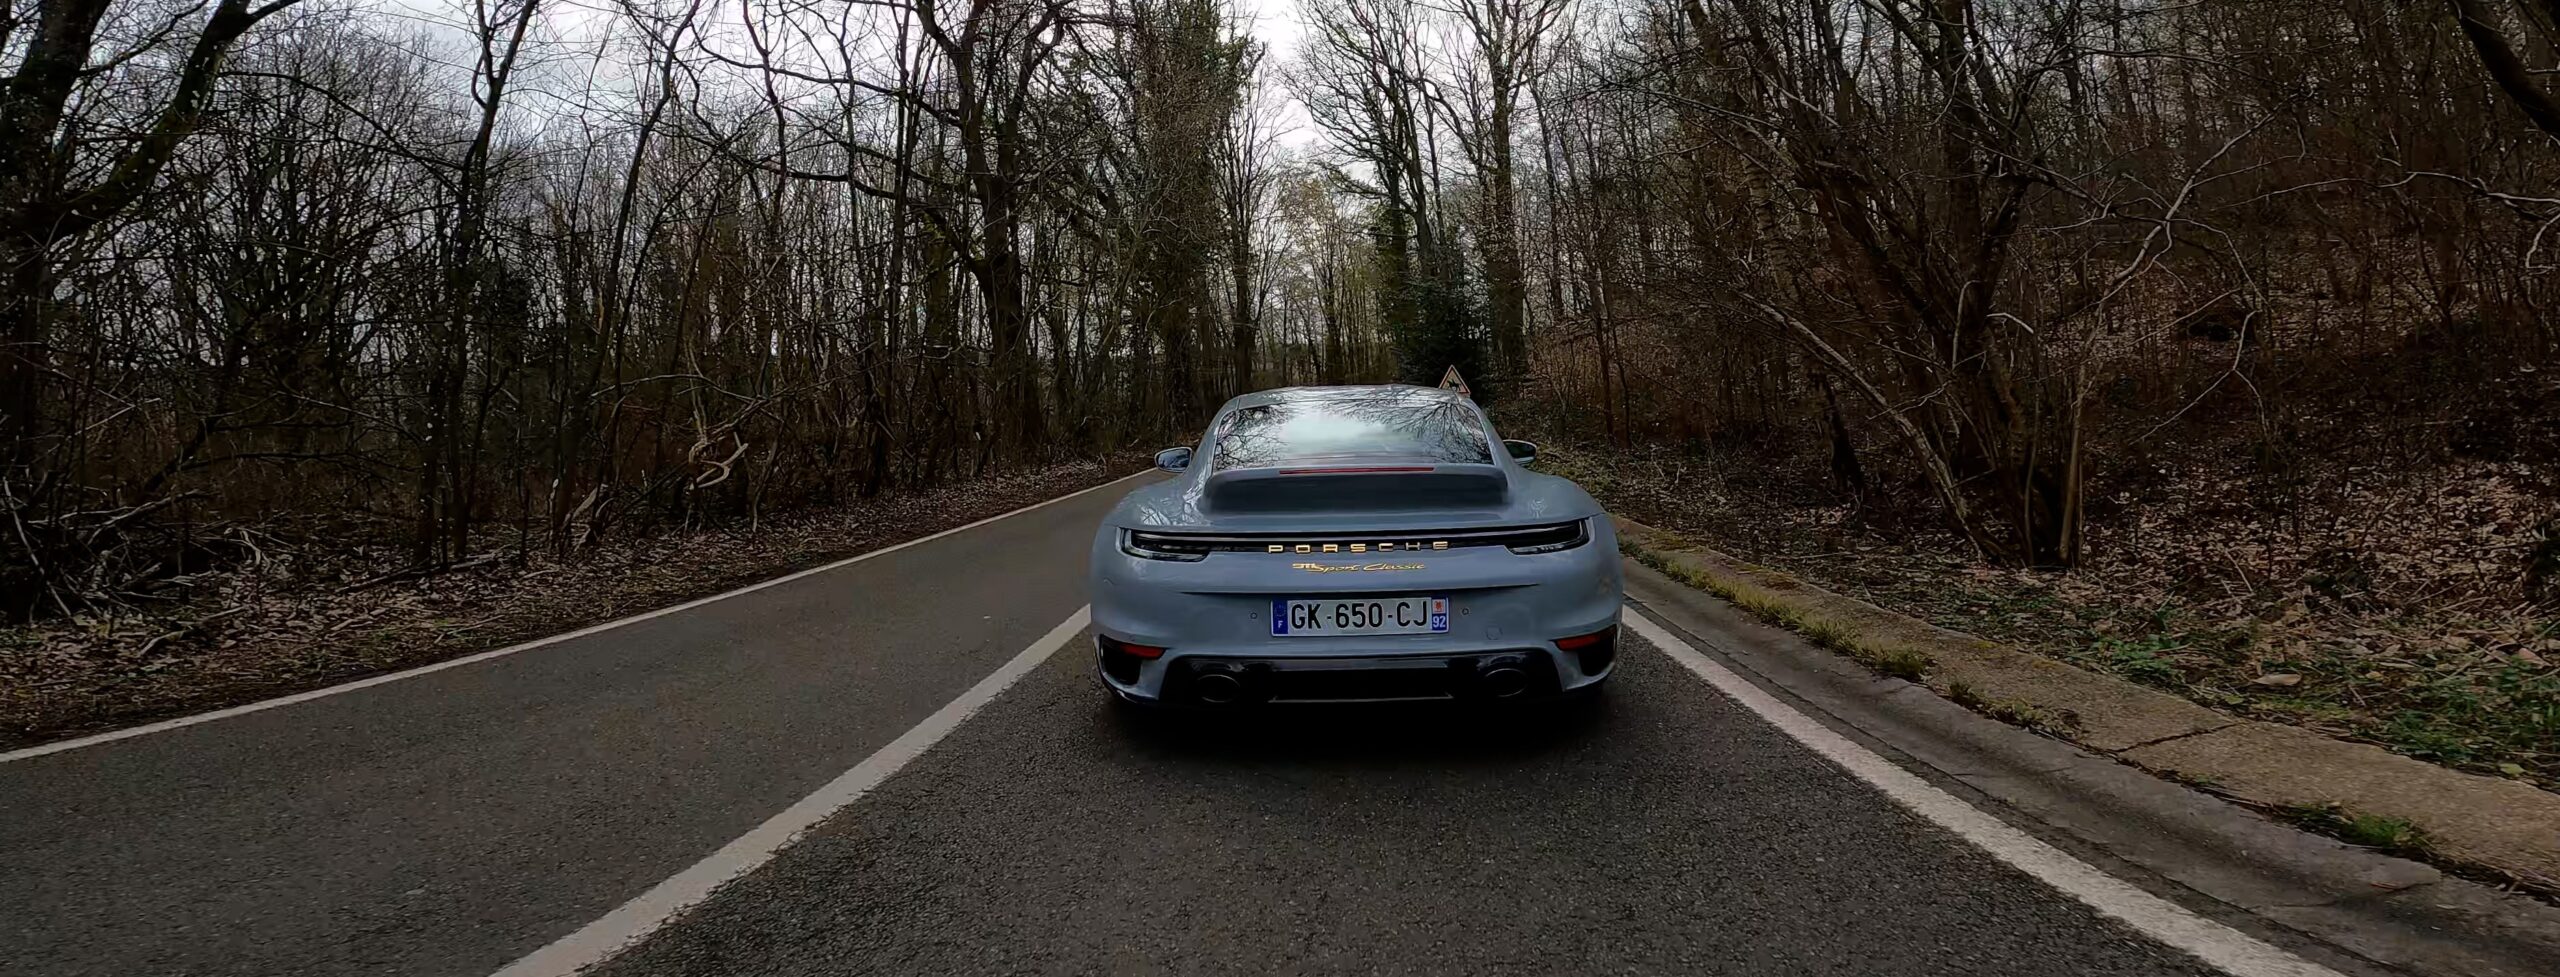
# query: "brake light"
{"type": "Point", "coordinates": [1581, 641]}
{"type": "Point", "coordinates": [1554, 540]}
{"type": "Point", "coordinates": [1154, 546]}
{"type": "Point", "coordinates": [1133, 651]}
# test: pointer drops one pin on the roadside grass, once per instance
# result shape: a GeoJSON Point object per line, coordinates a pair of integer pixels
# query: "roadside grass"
{"type": "Point", "coordinates": [1834, 635]}
{"type": "Point", "coordinates": [2399, 836]}
{"type": "Point", "coordinates": [2146, 660]}
{"type": "Point", "coordinates": [2204, 781]}
{"type": "Point", "coordinates": [2011, 711]}
{"type": "Point", "coordinates": [2388, 834]}
{"type": "Point", "coordinates": [2422, 686]}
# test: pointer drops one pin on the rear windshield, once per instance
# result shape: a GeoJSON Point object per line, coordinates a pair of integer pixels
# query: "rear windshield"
{"type": "Point", "coordinates": [1380, 425]}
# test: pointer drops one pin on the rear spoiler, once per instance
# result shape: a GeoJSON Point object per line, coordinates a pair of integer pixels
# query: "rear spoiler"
{"type": "Point", "coordinates": [1360, 488]}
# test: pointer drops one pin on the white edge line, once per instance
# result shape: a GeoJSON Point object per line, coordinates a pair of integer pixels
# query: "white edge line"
{"type": "Point", "coordinates": [181, 722]}
{"type": "Point", "coordinates": [2218, 945]}
{"type": "Point", "coordinates": [632, 921]}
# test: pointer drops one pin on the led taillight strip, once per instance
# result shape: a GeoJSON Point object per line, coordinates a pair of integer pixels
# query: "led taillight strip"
{"type": "Point", "coordinates": [1358, 470]}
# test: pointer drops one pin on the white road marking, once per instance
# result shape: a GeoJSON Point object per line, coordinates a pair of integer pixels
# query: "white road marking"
{"type": "Point", "coordinates": [266, 704]}
{"type": "Point", "coordinates": [628, 923]}
{"type": "Point", "coordinates": [2232, 951]}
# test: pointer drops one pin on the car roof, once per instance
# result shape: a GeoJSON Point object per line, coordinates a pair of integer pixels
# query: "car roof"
{"type": "Point", "coordinates": [1283, 395]}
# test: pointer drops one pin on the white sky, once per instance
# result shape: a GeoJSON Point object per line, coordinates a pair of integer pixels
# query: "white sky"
{"type": "Point", "coordinates": [577, 24]}
{"type": "Point", "coordinates": [1277, 24]}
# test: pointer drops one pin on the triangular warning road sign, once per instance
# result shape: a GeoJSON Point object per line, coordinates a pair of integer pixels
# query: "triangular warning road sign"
{"type": "Point", "coordinates": [1452, 381]}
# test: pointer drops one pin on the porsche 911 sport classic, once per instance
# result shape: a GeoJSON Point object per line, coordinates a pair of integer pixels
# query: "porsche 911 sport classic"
{"type": "Point", "coordinates": [1352, 544]}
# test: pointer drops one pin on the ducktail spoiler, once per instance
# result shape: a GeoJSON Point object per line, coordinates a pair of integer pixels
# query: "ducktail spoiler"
{"type": "Point", "coordinates": [1356, 487]}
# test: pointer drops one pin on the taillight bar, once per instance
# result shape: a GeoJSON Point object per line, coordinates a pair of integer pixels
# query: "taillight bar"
{"type": "Point", "coordinates": [1538, 538]}
{"type": "Point", "coordinates": [1359, 470]}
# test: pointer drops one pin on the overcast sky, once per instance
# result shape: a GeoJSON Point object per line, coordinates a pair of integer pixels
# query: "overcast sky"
{"type": "Point", "coordinates": [1276, 23]}
{"type": "Point", "coordinates": [578, 22]}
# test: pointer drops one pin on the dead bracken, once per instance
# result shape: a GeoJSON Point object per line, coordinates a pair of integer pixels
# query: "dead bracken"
{"type": "Point", "coordinates": [2427, 655]}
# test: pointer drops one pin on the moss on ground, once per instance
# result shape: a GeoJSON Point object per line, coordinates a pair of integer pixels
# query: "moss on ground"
{"type": "Point", "coordinates": [1840, 636]}
{"type": "Point", "coordinates": [2394, 835]}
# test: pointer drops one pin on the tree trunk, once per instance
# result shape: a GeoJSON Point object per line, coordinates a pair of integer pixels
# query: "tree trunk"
{"type": "Point", "coordinates": [1241, 338]}
{"type": "Point", "coordinates": [23, 354]}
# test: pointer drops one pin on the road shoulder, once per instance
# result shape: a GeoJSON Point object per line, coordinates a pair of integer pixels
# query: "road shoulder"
{"type": "Point", "coordinates": [2181, 842]}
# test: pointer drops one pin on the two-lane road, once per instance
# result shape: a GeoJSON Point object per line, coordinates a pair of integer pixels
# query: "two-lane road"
{"type": "Point", "coordinates": [1667, 833]}
{"type": "Point", "coordinates": [452, 822]}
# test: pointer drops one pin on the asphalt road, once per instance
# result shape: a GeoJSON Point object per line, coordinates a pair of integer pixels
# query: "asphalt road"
{"type": "Point", "coordinates": [449, 823]}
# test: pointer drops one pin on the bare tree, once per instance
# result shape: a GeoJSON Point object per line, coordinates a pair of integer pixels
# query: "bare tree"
{"type": "Point", "coordinates": [1495, 68]}
{"type": "Point", "coordinates": [71, 165]}
{"type": "Point", "coordinates": [1245, 172]}
{"type": "Point", "coordinates": [2487, 31]}
{"type": "Point", "coordinates": [1366, 83]}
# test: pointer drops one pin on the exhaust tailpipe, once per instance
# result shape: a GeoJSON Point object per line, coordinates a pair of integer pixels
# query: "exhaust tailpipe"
{"type": "Point", "coordinates": [1218, 688]}
{"type": "Point", "coordinates": [1503, 682]}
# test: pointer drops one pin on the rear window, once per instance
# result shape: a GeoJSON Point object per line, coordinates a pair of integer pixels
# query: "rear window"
{"type": "Point", "coordinates": [1382, 425]}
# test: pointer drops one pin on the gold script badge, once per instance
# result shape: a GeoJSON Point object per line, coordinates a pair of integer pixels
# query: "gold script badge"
{"type": "Point", "coordinates": [1353, 567]}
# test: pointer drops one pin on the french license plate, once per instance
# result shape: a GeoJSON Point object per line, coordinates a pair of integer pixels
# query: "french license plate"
{"type": "Point", "coordinates": [1359, 615]}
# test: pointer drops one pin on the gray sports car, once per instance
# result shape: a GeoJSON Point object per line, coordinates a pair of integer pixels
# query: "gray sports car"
{"type": "Point", "coordinates": [1354, 543]}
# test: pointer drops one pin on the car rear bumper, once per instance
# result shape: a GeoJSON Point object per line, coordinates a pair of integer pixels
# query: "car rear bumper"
{"type": "Point", "coordinates": [1213, 617]}
{"type": "Point", "coordinates": [1219, 681]}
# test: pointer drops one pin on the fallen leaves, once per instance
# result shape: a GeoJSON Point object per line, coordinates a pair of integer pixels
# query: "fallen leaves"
{"type": "Point", "coordinates": [295, 623]}
{"type": "Point", "coordinates": [2385, 608]}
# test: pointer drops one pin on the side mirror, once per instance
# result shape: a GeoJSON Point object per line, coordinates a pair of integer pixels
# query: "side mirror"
{"type": "Point", "coordinates": [1523, 452]}
{"type": "Point", "coordinates": [1173, 459]}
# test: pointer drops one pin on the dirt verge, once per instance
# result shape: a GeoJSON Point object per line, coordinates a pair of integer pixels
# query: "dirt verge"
{"type": "Point", "coordinates": [277, 630]}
